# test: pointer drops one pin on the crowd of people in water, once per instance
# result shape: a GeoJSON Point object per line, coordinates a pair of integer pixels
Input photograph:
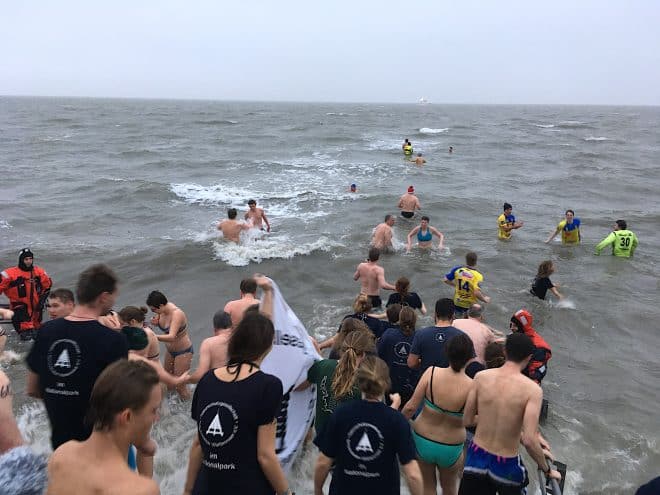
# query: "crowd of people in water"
{"type": "Point", "coordinates": [448, 404]}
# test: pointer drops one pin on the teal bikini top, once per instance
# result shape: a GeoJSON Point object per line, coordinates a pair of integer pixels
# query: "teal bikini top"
{"type": "Point", "coordinates": [431, 404]}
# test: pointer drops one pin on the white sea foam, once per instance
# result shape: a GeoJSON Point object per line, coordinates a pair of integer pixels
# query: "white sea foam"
{"type": "Point", "coordinates": [571, 123]}
{"type": "Point", "coordinates": [563, 304]}
{"type": "Point", "coordinates": [428, 130]}
{"type": "Point", "coordinates": [271, 246]}
{"type": "Point", "coordinates": [593, 138]}
{"type": "Point", "coordinates": [544, 126]}
{"type": "Point", "coordinates": [4, 224]}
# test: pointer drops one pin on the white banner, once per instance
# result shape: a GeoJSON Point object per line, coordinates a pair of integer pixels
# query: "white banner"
{"type": "Point", "coordinates": [292, 355]}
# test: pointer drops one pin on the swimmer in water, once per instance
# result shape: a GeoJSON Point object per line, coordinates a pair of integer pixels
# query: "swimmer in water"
{"type": "Point", "coordinates": [353, 188]}
{"type": "Point", "coordinates": [408, 203]}
{"type": "Point", "coordinates": [256, 216]}
{"type": "Point", "coordinates": [407, 148]}
{"type": "Point", "coordinates": [230, 228]}
{"type": "Point", "coordinates": [425, 235]}
{"type": "Point", "coordinates": [419, 161]}
{"type": "Point", "coordinates": [406, 142]}
{"type": "Point", "coordinates": [382, 238]}
{"type": "Point", "coordinates": [506, 222]}
{"type": "Point", "coordinates": [451, 149]}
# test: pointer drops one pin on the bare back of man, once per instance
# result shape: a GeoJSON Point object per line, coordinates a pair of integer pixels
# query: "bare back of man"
{"type": "Point", "coordinates": [382, 238]}
{"type": "Point", "coordinates": [409, 203]}
{"type": "Point", "coordinates": [100, 472]}
{"type": "Point", "coordinates": [212, 354]}
{"type": "Point", "coordinates": [231, 229]}
{"type": "Point", "coordinates": [236, 308]}
{"type": "Point", "coordinates": [370, 275]}
{"type": "Point", "coordinates": [503, 400]}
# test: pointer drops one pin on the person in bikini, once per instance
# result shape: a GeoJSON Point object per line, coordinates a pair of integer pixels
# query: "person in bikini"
{"type": "Point", "coordinates": [438, 431]}
{"type": "Point", "coordinates": [425, 235]}
{"type": "Point", "coordinates": [173, 325]}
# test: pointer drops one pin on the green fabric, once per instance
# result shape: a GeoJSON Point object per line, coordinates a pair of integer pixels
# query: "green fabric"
{"type": "Point", "coordinates": [321, 373]}
{"type": "Point", "coordinates": [623, 243]}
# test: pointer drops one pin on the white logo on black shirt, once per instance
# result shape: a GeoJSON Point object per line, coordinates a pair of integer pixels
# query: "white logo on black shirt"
{"type": "Point", "coordinates": [64, 357]}
{"type": "Point", "coordinates": [365, 442]}
{"type": "Point", "coordinates": [402, 349]}
{"type": "Point", "coordinates": [218, 424]}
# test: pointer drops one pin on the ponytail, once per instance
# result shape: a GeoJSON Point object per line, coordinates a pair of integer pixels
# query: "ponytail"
{"type": "Point", "coordinates": [355, 346]}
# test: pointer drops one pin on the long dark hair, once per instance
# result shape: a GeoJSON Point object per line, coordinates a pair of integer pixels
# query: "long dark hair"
{"type": "Point", "coordinates": [402, 285]}
{"type": "Point", "coordinates": [251, 339]}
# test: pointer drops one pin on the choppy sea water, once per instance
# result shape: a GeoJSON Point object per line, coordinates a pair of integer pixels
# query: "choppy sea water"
{"type": "Point", "coordinates": [141, 184]}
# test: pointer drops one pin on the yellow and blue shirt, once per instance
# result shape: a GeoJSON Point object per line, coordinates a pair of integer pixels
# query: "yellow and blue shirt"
{"type": "Point", "coordinates": [505, 221]}
{"type": "Point", "coordinates": [570, 232]}
{"type": "Point", "coordinates": [466, 282]}
{"type": "Point", "coordinates": [408, 150]}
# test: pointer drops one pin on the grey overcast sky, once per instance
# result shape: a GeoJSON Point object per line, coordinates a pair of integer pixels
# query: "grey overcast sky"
{"type": "Point", "coordinates": [462, 51]}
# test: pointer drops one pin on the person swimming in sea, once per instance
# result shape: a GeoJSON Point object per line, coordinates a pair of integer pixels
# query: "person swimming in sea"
{"type": "Point", "coordinates": [425, 235]}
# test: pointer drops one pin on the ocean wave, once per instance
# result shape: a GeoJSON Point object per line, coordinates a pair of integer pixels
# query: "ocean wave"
{"type": "Point", "coordinates": [428, 130]}
{"type": "Point", "coordinates": [341, 114]}
{"type": "Point", "coordinates": [569, 124]}
{"type": "Point", "coordinates": [4, 224]}
{"type": "Point", "coordinates": [255, 249]}
{"type": "Point", "coordinates": [544, 126]}
{"type": "Point", "coordinates": [593, 138]}
{"type": "Point", "coordinates": [215, 122]}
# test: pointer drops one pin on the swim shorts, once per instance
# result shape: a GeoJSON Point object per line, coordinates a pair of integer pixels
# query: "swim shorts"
{"type": "Point", "coordinates": [407, 214]}
{"type": "Point", "coordinates": [487, 473]}
{"type": "Point", "coordinates": [22, 472]}
{"type": "Point", "coordinates": [376, 301]}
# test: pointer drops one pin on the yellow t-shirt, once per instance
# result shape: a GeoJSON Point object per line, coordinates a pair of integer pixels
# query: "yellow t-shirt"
{"type": "Point", "coordinates": [504, 221]}
{"type": "Point", "coordinates": [570, 233]}
{"type": "Point", "coordinates": [466, 282]}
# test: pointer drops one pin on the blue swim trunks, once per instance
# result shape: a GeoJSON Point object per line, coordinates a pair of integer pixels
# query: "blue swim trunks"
{"type": "Point", "coordinates": [488, 472]}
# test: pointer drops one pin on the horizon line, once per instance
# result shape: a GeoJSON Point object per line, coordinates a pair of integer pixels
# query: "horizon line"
{"type": "Point", "coordinates": [335, 102]}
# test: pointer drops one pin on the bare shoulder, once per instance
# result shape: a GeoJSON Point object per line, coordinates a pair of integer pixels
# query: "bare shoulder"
{"type": "Point", "coordinates": [137, 485]}
{"type": "Point", "coordinates": [63, 453]}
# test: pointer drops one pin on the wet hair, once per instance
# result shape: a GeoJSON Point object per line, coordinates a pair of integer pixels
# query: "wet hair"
{"type": "Point", "coordinates": [362, 304]}
{"type": "Point", "coordinates": [231, 213]}
{"type": "Point", "coordinates": [569, 211]}
{"type": "Point", "coordinates": [251, 202]}
{"type": "Point", "coordinates": [387, 217]}
{"type": "Point", "coordinates": [471, 258]}
{"type": "Point", "coordinates": [475, 311]}
{"type": "Point", "coordinates": [374, 254]}
{"type": "Point", "coordinates": [248, 286]}
{"type": "Point", "coordinates": [494, 355]}
{"type": "Point", "coordinates": [622, 224]}
{"type": "Point", "coordinates": [401, 286]}
{"type": "Point", "coordinates": [156, 299]}
{"type": "Point", "coordinates": [129, 313]}
{"type": "Point", "coordinates": [373, 377]}
{"type": "Point", "coordinates": [122, 385]}
{"type": "Point", "coordinates": [253, 308]}
{"type": "Point", "coordinates": [355, 345]}
{"type": "Point", "coordinates": [426, 218]}
{"type": "Point", "coordinates": [251, 339]}
{"type": "Point", "coordinates": [459, 351]}
{"type": "Point", "coordinates": [349, 325]}
{"type": "Point", "coordinates": [392, 312]}
{"type": "Point", "coordinates": [507, 206]}
{"type": "Point", "coordinates": [545, 269]}
{"type": "Point", "coordinates": [518, 347]}
{"type": "Point", "coordinates": [93, 282]}
{"type": "Point", "coordinates": [64, 295]}
{"type": "Point", "coordinates": [221, 320]}
{"type": "Point", "coordinates": [407, 320]}
{"type": "Point", "coordinates": [444, 308]}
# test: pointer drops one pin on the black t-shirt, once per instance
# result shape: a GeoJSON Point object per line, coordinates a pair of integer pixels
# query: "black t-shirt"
{"type": "Point", "coordinates": [412, 300]}
{"type": "Point", "coordinates": [540, 287]}
{"type": "Point", "coordinates": [393, 348]}
{"type": "Point", "coordinates": [228, 416]}
{"type": "Point", "coordinates": [375, 325]}
{"type": "Point", "coordinates": [364, 438]}
{"type": "Point", "coordinates": [69, 356]}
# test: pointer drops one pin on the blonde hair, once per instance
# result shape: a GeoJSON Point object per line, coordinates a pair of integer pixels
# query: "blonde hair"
{"type": "Point", "coordinates": [362, 304]}
{"type": "Point", "coordinates": [373, 377]}
{"type": "Point", "coordinates": [355, 345]}
{"type": "Point", "coordinates": [407, 320]}
{"type": "Point", "coordinates": [348, 326]}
